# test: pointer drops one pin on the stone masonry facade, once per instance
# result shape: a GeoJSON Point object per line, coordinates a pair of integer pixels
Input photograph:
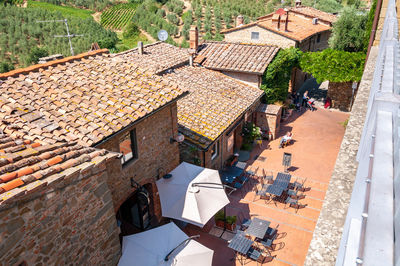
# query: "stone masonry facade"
{"type": "Point", "coordinates": [69, 222]}
{"type": "Point", "coordinates": [265, 37]}
{"type": "Point", "coordinates": [341, 94]}
{"type": "Point", "coordinates": [156, 156]}
{"type": "Point", "coordinates": [250, 79]}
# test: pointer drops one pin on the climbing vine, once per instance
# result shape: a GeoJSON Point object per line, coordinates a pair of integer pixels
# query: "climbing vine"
{"type": "Point", "coordinates": [277, 76]}
{"type": "Point", "coordinates": [333, 65]}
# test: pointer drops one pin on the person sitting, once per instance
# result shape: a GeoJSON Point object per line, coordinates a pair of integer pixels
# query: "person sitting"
{"type": "Point", "coordinates": [285, 139]}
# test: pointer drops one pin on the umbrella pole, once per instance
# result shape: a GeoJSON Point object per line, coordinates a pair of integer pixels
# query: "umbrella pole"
{"type": "Point", "coordinates": [224, 223]}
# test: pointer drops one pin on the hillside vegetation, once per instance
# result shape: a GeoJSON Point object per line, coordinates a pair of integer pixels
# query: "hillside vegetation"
{"type": "Point", "coordinates": [20, 33]}
{"type": "Point", "coordinates": [118, 16]}
{"type": "Point", "coordinates": [88, 4]}
{"type": "Point", "coordinates": [64, 10]}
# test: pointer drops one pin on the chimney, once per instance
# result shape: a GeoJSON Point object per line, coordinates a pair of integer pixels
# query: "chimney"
{"type": "Point", "coordinates": [190, 60]}
{"type": "Point", "coordinates": [298, 3]}
{"type": "Point", "coordinates": [194, 37]}
{"type": "Point", "coordinates": [287, 19]}
{"type": "Point", "coordinates": [140, 47]}
{"type": "Point", "coordinates": [276, 21]}
{"type": "Point", "coordinates": [239, 21]}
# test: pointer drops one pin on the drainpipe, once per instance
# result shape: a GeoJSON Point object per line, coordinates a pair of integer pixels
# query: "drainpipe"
{"type": "Point", "coordinates": [374, 26]}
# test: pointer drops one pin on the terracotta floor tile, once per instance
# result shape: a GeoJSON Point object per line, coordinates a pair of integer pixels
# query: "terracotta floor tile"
{"type": "Point", "coordinates": [317, 136]}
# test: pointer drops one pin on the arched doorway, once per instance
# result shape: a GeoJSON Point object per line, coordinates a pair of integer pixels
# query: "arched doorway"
{"type": "Point", "coordinates": [134, 215]}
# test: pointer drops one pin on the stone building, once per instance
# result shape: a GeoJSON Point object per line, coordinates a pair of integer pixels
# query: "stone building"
{"type": "Point", "coordinates": [102, 101]}
{"type": "Point", "coordinates": [211, 117]}
{"type": "Point", "coordinates": [244, 62]}
{"type": "Point", "coordinates": [302, 27]}
{"type": "Point", "coordinates": [55, 205]}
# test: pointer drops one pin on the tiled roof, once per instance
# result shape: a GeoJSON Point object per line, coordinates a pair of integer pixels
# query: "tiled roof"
{"type": "Point", "coordinates": [299, 28]}
{"type": "Point", "coordinates": [249, 58]}
{"type": "Point", "coordinates": [158, 56]}
{"type": "Point", "coordinates": [83, 100]}
{"type": "Point", "coordinates": [26, 166]}
{"type": "Point", "coordinates": [214, 102]}
{"type": "Point", "coordinates": [314, 13]}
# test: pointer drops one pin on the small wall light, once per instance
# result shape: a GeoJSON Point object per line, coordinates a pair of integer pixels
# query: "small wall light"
{"type": "Point", "coordinates": [179, 138]}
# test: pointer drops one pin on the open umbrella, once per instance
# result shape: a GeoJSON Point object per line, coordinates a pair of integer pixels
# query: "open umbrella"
{"type": "Point", "coordinates": [164, 245]}
{"type": "Point", "coordinates": [192, 194]}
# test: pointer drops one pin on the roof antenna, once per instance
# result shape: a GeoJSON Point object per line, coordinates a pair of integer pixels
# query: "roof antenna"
{"type": "Point", "coordinates": [69, 36]}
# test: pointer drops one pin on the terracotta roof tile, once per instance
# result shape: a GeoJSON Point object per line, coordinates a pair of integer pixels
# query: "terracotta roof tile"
{"type": "Point", "coordinates": [300, 26]}
{"type": "Point", "coordinates": [25, 171]}
{"type": "Point", "coordinates": [249, 58]}
{"type": "Point", "coordinates": [159, 56]}
{"type": "Point", "coordinates": [81, 100]}
{"type": "Point", "coordinates": [314, 13]}
{"type": "Point", "coordinates": [214, 102]}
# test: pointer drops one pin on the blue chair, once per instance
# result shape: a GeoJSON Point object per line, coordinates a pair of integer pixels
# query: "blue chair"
{"type": "Point", "coordinates": [238, 185]}
{"type": "Point", "coordinates": [246, 223]}
{"type": "Point", "coordinates": [253, 254]}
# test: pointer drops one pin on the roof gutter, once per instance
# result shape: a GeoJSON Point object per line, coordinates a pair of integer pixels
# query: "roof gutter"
{"type": "Point", "coordinates": [128, 127]}
{"type": "Point", "coordinates": [374, 27]}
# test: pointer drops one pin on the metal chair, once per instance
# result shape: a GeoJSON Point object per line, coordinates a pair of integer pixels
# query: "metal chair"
{"type": "Point", "coordinates": [253, 254]}
{"type": "Point", "coordinates": [269, 176]}
{"type": "Point", "coordinates": [271, 232]}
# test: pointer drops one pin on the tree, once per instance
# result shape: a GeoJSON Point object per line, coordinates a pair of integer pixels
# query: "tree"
{"type": "Point", "coordinates": [5, 67]}
{"type": "Point", "coordinates": [276, 78]}
{"type": "Point", "coordinates": [37, 53]}
{"type": "Point", "coordinates": [131, 30]}
{"type": "Point", "coordinates": [349, 30]}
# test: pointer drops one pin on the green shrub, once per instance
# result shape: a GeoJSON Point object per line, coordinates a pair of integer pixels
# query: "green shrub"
{"type": "Point", "coordinates": [131, 30]}
{"type": "Point", "coordinates": [6, 67]}
{"type": "Point", "coordinates": [37, 53]}
{"type": "Point", "coordinates": [173, 19]}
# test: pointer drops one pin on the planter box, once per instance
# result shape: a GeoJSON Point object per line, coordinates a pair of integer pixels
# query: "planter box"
{"type": "Point", "coordinates": [230, 227]}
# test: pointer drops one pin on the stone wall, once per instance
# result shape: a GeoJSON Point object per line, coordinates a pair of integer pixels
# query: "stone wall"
{"type": "Point", "coordinates": [156, 156]}
{"type": "Point", "coordinates": [70, 221]}
{"type": "Point", "coordinates": [250, 79]}
{"type": "Point", "coordinates": [311, 44]}
{"type": "Point", "coordinates": [341, 95]}
{"type": "Point", "coordinates": [268, 118]}
{"type": "Point", "coordinates": [265, 37]}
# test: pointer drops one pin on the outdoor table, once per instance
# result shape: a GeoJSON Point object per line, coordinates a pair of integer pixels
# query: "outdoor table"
{"type": "Point", "coordinates": [283, 178]}
{"type": "Point", "coordinates": [241, 165]}
{"type": "Point", "coordinates": [240, 244]}
{"type": "Point", "coordinates": [275, 189]}
{"type": "Point", "coordinates": [258, 228]}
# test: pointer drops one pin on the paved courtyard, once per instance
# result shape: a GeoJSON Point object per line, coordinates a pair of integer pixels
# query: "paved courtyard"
{"type": "Point", "coordinates": [317, 138]}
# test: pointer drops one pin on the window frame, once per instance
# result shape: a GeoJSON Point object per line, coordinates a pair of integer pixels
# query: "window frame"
{"type": "Point", "coordinates": [258, 35]}
{"type": "Point", "coordinates": [216, 153]}
{"type": "Point", "coordinates": [318, 37]}
{"type": "Point", "coordinates": [133, 146]}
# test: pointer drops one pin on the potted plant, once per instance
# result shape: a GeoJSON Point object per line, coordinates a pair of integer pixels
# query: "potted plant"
{"type": "Point", "coordinates": [229, 222]}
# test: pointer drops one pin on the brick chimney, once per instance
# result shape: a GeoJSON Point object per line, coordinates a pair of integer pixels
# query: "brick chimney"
{"type": "Point", "coordinates": [298, 3]}
{"type": "Point", "coordinates": [140, 47]}
{"type": "Point", "coordinates": [194, 37]}
{"type": "Point", "coordinates": [276, 21]}
{"type": "Point", "coordinates": [239, 21]}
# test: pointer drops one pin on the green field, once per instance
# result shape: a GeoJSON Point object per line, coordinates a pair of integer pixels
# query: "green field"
{"type": "Point", "coordinates": [64, 10]}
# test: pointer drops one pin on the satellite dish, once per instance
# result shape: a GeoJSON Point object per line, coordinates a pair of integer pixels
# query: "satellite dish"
{"type": "Point", "coordinates": [162, 35]}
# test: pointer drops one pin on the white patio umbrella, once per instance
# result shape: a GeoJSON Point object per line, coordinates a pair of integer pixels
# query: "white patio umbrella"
{"type": "Point", "coordinates": [153, 247]}
{"type": "Point", "coordinates": [193, 194]}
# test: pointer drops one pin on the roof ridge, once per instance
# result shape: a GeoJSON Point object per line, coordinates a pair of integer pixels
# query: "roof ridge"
{"type": "Point", "coordinates": [136, 48]}
{"type": "Point", "coordinates": [51, 63]}
{"type": "Point", "coordinates": [242, 43]}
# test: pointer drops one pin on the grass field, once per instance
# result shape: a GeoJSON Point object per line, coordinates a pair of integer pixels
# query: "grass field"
{"type": "Point", "coordinates": [64, 10]}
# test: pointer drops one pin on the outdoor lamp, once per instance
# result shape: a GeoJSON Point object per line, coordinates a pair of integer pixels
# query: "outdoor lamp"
{"type": "Point", "coordinates": [179, 138]}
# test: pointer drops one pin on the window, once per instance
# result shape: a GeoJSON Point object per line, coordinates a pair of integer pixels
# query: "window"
{"type": "Point", "coordinates": [255, 35]}
{"type": "Point", "coordinates": [318, 37]}
{"type": "Point", "coordinates": [214, 150]}
{"type": "Point", "coordinates": [128, 147]}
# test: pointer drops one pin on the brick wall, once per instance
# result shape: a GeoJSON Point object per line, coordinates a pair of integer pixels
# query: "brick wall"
{"type": "Point", "coordinates": [265, 36]}
{"type": "Point", "coordinates": [311, 44]}
{"type": "Point", "coordinates": [340, 93]}
{"type": "Point", "coordinates": [72, 221]}
{"type": "Point", "coordinates": [156, 156]}
{"type": "Point", "coordinates": [250, 79]}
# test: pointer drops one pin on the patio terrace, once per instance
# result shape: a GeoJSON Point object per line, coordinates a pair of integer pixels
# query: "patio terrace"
{"type": "Point", "coordinates": [317, 138]}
